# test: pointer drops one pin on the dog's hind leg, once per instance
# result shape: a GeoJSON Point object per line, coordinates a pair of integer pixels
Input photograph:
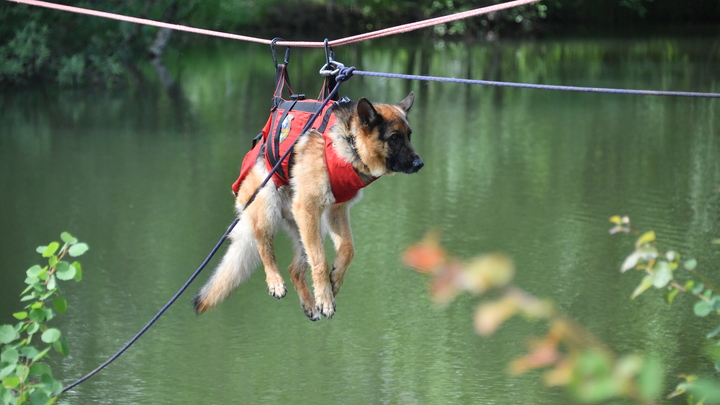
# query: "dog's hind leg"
{"type": "Point", "coordinates": [337, 222]}
{"type": "Point", "coordinates": [298, 273]}
{"type": "Point", "coordinates": [266, 215]}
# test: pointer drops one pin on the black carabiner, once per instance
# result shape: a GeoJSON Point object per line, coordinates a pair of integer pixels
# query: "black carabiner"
{"type": "Point", "coordinates": [274, 56]}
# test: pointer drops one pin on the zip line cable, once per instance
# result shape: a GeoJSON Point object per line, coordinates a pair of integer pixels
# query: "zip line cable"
{"type": "Point", "coordinates": [301, 44]}
{"type": "Point", "coordinates": [540, 86]}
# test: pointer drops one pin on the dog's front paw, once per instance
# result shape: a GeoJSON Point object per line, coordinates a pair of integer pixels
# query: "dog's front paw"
{"type": "Point", "coordinates": [325, 304]}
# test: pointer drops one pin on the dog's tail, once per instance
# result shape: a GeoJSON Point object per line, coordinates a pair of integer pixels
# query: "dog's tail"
{"type": "Point", "coordinates": [236, 266]}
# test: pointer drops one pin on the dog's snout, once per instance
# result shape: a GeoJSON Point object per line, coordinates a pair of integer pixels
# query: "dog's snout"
{"type": "Point", "coordinates": [417, 164]}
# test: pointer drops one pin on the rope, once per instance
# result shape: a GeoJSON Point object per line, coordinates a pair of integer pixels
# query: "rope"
{"type": "Point", "coordinates": [540, 86]}
{"type": "Point", "coordinates": [305, 44]}
{"type": "Point", "coordinates": [343, 75]}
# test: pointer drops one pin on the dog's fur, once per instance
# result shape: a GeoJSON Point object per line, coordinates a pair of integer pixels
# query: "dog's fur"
{"type": "Point", "coordinates": [375, 139]}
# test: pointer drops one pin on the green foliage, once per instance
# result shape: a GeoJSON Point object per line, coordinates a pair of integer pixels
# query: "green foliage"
{"type": "Point", "coordinates": [24, 378]}
{"type": "Point", "coordinates": [570, 355]}
{"type": "Point", "coordinates": [661, 271]}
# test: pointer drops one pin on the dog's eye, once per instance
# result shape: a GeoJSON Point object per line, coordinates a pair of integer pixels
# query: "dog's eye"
{"type": "Point", "coordinates": [394, 136]}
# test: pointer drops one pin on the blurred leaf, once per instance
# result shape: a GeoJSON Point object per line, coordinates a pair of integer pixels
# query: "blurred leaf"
{"type": "Point", "coordinates": [7, 370]}
{"type": "Point", "coordinates": [61, 346]}
{"type": "Point", "coordinates": [615, 219]}
{"type": "Point", "coordinates": [37, 315]}
{"type": "Point", "coordinates": [65, 271]}
{"type": "Point", "coordinates": [67, 238]}
{"type": "Point", "coordinates": [50, 249]}
{"type": "Point", "coordinates": [20, 315]}
{"type": "Point", "coordinates": [490, 315]}
{"type": "Point", "coordinates": [698, 288]}
{"type": "Point", "coordinates": [78, 271]}
{"type": "Point", "coordinates": [690, 264]}
{"type": "Point", "coordinates": [41, 354]}
{"type": "Point", "coordinates": [487, 271]}
{"type": "Point", "coordinates": [9, 355]}
{"type": "Point", "coordinates": [672, 294]}
{"type": "Point", "coordinates": [78, 249]}
{"type": "Point", "coordinates": [646, 283]}
{"type": "Point", "coordinates": [34, 327]}
{"type": "Point", "coordinates": [51, 335]}
{"type": "Point", "coordinates": [663, 274]}
{"type": "Point", "coordinates": [707, 389]}
{"type": "Point", "coordinates": [702, 308]}
{"type": "Point", "coordinates": [11, 382]}
{"type": "Point", "coordinates": [716, 241]}
{"type": "Point", "coordinates": [29, 352]}
{"type": "Point", "coordinates": [646, 253]}
{"type": "Point", "coordinates": [713, 333]}
{"type": "Point", "coordinates": [41, 249]}
{"type": "Point", "coordinates": [8, 334]}
{"type": "Point", "coordinates": [51, 283]}
{"type": "Point", "coordinates": [650, 379]}
{"type": "Point", "coordinates": [426, 256]}
{"type": "Point", "coordinates": [34, 271]}
{"type": "Point", "coordinates": [647, 237]}
{"type": "Point", "coordinates": [60, 304]}
{"type": "Point", "coordinates": [444, 285]}
{"type": "Point", "coordinates": [39, 369]}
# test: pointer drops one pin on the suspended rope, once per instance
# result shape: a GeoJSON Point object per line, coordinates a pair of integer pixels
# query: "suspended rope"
{"type": "Point", "coordinates": [540, 86]}
{"type": "Point", "coordinates": [305, 44]}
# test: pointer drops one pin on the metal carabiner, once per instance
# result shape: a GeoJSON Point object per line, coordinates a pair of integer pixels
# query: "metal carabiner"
{"type": "Point", "coordinates": [274, 56]}
{"type": "Point", "coordinates": [331, 66]}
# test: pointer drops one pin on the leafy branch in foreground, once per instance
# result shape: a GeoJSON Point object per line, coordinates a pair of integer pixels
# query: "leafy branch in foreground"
{"type": "Point", "coordinates": [569, 353]}
{"type": "Point", "coordinates": [662, 270]}
{"type": "Point", "coordinates": [24, 377]}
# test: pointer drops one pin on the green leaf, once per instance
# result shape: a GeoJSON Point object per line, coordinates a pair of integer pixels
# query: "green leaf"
{"type": "Point", "coordinates": [9, 355]}
{"type": "Point", "coordinates": [698, 288]}
{"type": "Point", "coordinates": [8, 334]}
{"type": "Point", "coordinates": [50, 249]}
{"type": "Point", "coordinates": [33, 328]}
{"type": "Point", "coordinates": [716, 241]}
{"type": "Point", "coordinates": [690, 264]}
{"type": "Point", "coordinates": [6, 371]}
{"type": "Point", "coordinates": [78, 271]}
{"type": "Point", "coordinates": [65, 271]}
{"type": "Point", "coordinates": [647, 237]}
{"type": "Point", "coordinates": [51, 335]}
{"type": "Point", "coordinates": [11, 382]}
{"type": "Point", "coordinates": [663, 274]}
{"type": "Point", "coordinates": [61, 346]}
{"type": "Point", "coordinates": [20, 315]}
{"type": "Point", "coordinates": [60, 304]}
{"type": "Point", "coordinates": [34, 271]}
{"type": "Point", "coordinates": [646, 283]}
{"type": "Point", "coordinates": [67, 238]}
{"type": "Point", "coordinates": [702, 308]}
{"type": "Point", "coordinates": [52, 261]}
{"type": "Point", "coordinates": [41, 249]}
{"type": "Point", "coordinates": [40, 369]}
{"type": "Point", "coordinates": [713, 333]}
{"type": "Point", "coordinates": [37, 315]}
{"type": "Point", "coordinates": [672, 294]}
{"type": "Point", "coordinates": [29, 352]}
{"type": "Point", "coordinates": [78, 249]}
{"type": "Point", "coordinates": [51, 283]}
{"type": "Point", "coordinates": [650, 380]}
{"type": "Point", "coordinates": [42, 353]}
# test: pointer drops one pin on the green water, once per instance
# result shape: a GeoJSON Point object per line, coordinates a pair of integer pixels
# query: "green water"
{"type": "Point", "coordinates": [145, 180]}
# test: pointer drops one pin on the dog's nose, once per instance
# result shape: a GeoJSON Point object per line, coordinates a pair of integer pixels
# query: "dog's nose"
{"type": "Point", "coordinates": [417, 165]}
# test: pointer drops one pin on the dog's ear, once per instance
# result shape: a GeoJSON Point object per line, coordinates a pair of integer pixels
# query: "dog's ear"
{"type": "Point", "coordinates": [367, 113]}
{"type": "Point", "coordinates": [407, 102]}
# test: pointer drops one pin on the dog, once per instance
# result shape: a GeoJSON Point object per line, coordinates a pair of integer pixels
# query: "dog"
{"type": "Point", "coordinates": [370, 141]}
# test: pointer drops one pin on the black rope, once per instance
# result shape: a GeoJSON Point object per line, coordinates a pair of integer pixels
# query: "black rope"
{"type": "Point", "coordinates": [343, 75]}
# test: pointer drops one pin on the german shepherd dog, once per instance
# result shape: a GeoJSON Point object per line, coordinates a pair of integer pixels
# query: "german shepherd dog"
{"type": "Point", "coordinates": [375, 140]}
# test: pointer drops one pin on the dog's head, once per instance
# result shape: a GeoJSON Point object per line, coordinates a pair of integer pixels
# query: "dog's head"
{"type": "Point", "coordinates": [383, 137]}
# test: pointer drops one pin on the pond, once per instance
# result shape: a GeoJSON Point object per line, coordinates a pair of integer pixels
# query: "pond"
{"type": "Point", "coordinates": [144, 179]}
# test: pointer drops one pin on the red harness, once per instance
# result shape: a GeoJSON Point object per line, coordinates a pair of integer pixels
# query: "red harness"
{"type": "Point", "coordinates": [285, 124]}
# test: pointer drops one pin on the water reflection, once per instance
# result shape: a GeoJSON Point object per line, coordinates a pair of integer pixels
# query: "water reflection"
{"type": "Point", "coordinates": [144, 179]}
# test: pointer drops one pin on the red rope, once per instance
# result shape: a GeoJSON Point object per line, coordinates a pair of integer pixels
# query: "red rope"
{"type": "Point", "coordinates": [343, 41]}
